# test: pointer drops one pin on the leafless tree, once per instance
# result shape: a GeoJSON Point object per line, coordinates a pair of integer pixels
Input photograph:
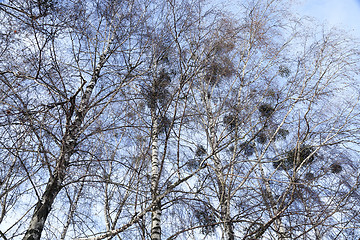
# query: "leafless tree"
{"type": "Point", "coordinates": [170, 119]}
{"type": "Point", "coordinates": [58, 97]}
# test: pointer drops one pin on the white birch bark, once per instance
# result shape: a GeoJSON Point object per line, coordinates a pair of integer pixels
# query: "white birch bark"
{"type": "Point", "coordinates": [156, 211]}
{"type": "Point", "coordinates": [279, 226]}
{"type": "Point", "coordinates": [71, 212]}
{"type": "Point", "coordinates": [223, 197]}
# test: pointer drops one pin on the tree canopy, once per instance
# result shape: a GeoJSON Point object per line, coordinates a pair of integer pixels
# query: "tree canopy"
{"type": "Point", "coordinates": [140, 119]}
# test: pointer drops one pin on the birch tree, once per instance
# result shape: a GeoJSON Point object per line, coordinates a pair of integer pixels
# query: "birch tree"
{"type": "Point", "coordinates": [256, 119]}
{"type": "Point", "coordinates": [62, 95]}
{"type": "Point", "coordinates": [175, 120]}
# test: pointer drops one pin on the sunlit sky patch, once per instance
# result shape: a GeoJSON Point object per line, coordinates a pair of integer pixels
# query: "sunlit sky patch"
{"type": "Point", "coordinates": [344, 14]}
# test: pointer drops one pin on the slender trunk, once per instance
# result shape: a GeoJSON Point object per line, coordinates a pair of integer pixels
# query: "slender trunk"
{"type": "Point", "coordinates": [221, 181]}
{"type": "Point", "coordinates": [71, 212]}
{"type": "Point", "coordinates": [156, 211]}
{"type": "Point", "coordinates": [73, 129]}
{"type": "Point", "coordinates": [272, 207]}
{"type": "Point", "coordinates": [228, 225]}
{"type": "Point", "coordinates": [224, 206]}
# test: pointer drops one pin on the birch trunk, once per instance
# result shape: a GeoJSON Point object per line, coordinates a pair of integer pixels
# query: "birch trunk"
{"type": "Point", "coordinates": [156, 211]}
{"type": "Point", "coordinates": [272, 205]}
{"type": "Point", "coordinates": [228, 225]}
{"type": "Point", "coordinates": [72, 132]}
{"type": "Point", "coordinates": [43, 207]}
{"type": "Point", "coordinates": [223, 197]}
{"type": "Point", "coordinates": [72, 210]}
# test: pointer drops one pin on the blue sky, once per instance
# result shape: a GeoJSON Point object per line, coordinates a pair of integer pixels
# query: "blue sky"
{"type": "Point", "coordinates": [340, 13]}
{"type": "Point", "coordinates": [343, 14]}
